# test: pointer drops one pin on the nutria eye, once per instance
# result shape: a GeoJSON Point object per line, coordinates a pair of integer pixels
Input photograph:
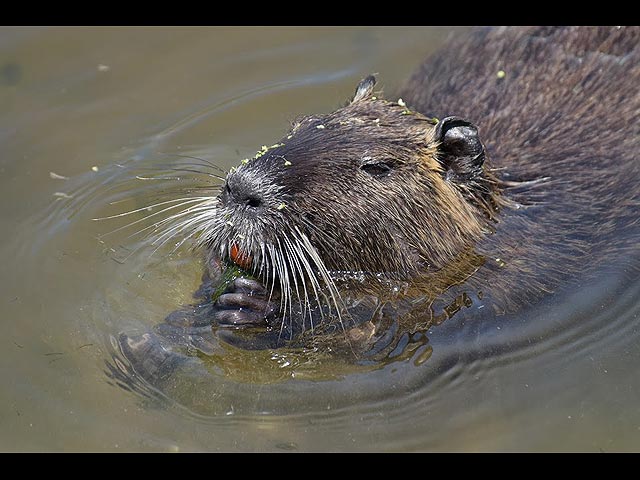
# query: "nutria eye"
{"type": "Point", "coordinates": [376, 169]}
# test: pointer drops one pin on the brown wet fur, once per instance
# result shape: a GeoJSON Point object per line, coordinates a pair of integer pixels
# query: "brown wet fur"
{"type": "Point", "coordinates": [562, 131]}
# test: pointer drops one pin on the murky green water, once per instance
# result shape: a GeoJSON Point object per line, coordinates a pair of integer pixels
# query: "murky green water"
{"type": "Point", "coordinates": [94, 105]}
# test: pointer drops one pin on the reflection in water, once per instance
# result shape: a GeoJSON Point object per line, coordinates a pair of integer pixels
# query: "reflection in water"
{"type": "Point", "coordinates": [298, 381]}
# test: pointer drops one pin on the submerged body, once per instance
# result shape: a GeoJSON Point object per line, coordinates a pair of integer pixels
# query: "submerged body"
{"type": "Point", "coordinates": [508, 171]}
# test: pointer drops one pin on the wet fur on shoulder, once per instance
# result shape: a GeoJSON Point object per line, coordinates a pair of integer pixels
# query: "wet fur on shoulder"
{"type": "Point", "coordinates": [561, 124]}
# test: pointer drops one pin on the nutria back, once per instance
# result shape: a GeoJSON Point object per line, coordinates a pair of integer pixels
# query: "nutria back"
{"type": "Point", "coordinates": [558, 110]}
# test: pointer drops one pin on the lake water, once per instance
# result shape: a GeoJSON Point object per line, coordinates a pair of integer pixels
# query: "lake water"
{"type": "Point", "coordinates": [85, 110]}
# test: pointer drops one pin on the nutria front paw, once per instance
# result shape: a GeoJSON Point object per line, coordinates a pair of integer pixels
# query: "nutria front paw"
{"type": "Point", "coordinates": [245, 303]}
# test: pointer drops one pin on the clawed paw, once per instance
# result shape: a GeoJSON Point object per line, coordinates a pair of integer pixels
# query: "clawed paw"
{"type": "Point", "coordinates": [245, 303]}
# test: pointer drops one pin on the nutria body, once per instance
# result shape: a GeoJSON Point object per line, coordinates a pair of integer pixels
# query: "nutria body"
{"type": "Point", "coordinates": [509, 170]}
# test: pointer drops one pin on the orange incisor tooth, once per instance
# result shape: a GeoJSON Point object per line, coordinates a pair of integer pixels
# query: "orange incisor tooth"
{"type": "Point", "coordinates": [241, 259]}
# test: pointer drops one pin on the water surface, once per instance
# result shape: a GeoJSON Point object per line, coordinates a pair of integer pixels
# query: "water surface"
{"type": "Point", "coordinates": [99, 105]}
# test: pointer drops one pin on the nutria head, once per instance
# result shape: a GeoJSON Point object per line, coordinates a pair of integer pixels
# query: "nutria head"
{"type": "Point", "coordinates": [372, 187]}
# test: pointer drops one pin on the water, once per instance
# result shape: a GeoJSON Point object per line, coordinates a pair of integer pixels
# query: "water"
{"type": "Point", "coordinates": [97, 105]}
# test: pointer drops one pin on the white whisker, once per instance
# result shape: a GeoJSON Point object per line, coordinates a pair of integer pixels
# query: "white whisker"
{"type": "Point", "coordinates": [154, 205]}
{"type": "Point", "coordinates": [324, 274]}
{"type": "Point", "coordinates": [294, 264]}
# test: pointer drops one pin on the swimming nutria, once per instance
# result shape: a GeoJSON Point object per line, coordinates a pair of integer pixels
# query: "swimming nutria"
{"type": "Point", "coordinates": [508, 170]}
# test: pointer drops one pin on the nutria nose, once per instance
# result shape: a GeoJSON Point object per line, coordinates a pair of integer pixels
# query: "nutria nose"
{"type": "Point", "coordinates": [238, 193]}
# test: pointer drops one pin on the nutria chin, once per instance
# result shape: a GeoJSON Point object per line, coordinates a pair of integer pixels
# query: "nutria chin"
{"type": "Point", "coordinates": [508, 170]}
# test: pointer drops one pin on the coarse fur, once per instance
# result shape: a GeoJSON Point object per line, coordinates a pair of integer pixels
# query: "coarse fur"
{"type": "Point", "coordinates": [562, 127]}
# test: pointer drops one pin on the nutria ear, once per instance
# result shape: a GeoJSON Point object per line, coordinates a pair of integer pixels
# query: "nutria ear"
{"type": "Point", "coordinates": [461, 152]}
{"type": "Point", "coordinates": [364, 89]}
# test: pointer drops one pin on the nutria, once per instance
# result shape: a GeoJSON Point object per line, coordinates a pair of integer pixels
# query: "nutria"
{"type": "Point", "coordinates": [507, 171]}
